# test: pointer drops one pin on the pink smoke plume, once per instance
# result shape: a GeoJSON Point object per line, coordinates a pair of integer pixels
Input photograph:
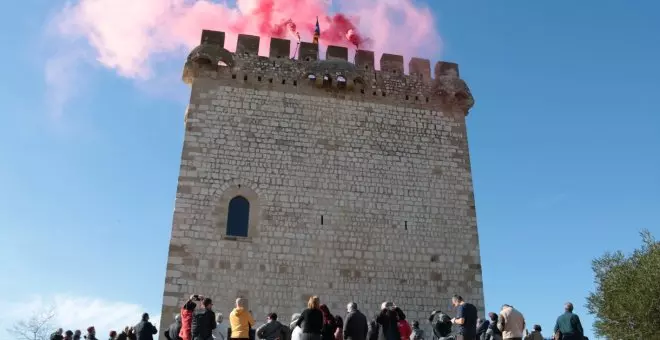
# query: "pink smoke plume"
{"type": "Point", "coordinates": [127, 34]}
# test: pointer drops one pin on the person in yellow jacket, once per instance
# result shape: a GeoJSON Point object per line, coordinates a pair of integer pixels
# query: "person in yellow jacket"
{"type": "Point", "coordinates": [240, 321]}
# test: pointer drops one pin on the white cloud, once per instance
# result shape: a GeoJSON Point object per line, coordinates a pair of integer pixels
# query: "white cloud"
{"type": "Point", "coordinates": [75, 312]}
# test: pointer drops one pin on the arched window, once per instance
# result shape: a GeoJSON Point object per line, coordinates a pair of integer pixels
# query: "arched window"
{"type": "Point", "coordinates": [238, 217]}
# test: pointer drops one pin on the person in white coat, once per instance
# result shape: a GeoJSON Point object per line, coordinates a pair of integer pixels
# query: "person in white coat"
{"type": "Point", "coordinates": [296, 332]}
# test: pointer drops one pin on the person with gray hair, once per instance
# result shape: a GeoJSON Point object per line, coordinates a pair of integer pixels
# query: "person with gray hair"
{"type": "Point", "coordinates": [511, 322]}
{"type": "Point", "coordinates": [174, 329]}
{"type": "Point", "coordinates": [568, 325]}
{"type": "Point", "coordinates": [355, 325]}
{"type": "Point", "coordinates": [220, 331]}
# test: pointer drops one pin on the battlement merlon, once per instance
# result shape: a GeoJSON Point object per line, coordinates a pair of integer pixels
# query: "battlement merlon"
{"type": "Point", "coordinates": [445, 88]}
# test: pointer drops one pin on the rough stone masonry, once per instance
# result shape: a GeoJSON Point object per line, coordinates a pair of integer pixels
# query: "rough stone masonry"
{"type": "Point", "coordinates": [358, 182]}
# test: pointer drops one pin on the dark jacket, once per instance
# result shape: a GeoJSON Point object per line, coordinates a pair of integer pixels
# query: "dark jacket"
{"type": "Point", "coordinates": [122, 336]}
{"type": "Point", "coordinates": [145, 330]}
{"type": "Point", "coordinates": [372, 331]}
{"type": "Point", "coordinates": [328, 330]}
{"type": "Point", "coordinates": [356, 326]}
{"type": "Point", "coordinates": [441, 324]}
{"type": "Point", "coordinates": [482, 327]}
{"type": "Point", "coordinates": [311, 321]}
{"type": "Point", "coordinates": [273, 330]}
{"type": "Point", "coordinates": [56, 336]}
{"type": "Point", "coordinates": [173, 331]}
{"type": "Point", "coordinates": [203, 324]}
{"type": "Point", "coordinates": [388, 320]}
{"type": "Point", "coordinates": [570, 326]}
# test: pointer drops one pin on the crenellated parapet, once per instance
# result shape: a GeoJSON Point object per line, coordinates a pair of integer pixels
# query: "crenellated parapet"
{"type": "Point", "coordinates": [335, 75]}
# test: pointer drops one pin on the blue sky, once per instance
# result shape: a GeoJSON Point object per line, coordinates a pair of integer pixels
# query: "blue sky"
{"type": "Point", "coordinates": [564, 140]}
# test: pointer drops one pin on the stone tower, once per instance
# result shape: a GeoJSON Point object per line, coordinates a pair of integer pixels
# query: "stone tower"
{"type": "Point", "coordinates": [322, 177]}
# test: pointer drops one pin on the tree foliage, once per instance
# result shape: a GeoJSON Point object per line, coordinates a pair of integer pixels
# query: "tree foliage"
{"type": "Point", "coordinates": [626, 299]}
{"type": "Point", "coordinates": [37, 327]}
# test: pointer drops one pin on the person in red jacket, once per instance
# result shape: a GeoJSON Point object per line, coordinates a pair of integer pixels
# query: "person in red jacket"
{"type": "Point", "coordinates": [186, 316]}
{"type": "Point", "coordinates": [404, 327]}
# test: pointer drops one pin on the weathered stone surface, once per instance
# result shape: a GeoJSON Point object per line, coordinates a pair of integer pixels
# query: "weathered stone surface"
{"type": "Point", "coordinates": [354, 196]}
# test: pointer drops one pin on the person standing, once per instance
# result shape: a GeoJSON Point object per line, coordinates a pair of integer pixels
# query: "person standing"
{"type": "Point", "coordinates": [203, 321]}
{"type": "Point", "coordinates": [220, 331]}
{"type": "Point", "coordinates": [187, 311]}
{"type": "Point", "coordinates": [355, 325]}
{"type": "Point", "coordinates": [311, 320]}
{"type": "Point", "coordinates": [466, 318]}
{"type": "Point", "coordinates": [145, 330]}
{"type": "Point", "coordinates": [57, 335]}
{"type": "Point", "coordinates": [568, 325]}
{"type": "Point", "coordinates": [441, 325]}
{"type": "Point", "coordinates": [174, 329]}
{"type": "Point", "coordinates": [240, 321]}
{"type": "Point", "coordinates": [511, 322]}
{"type": "Point", "coordinates": [417, 333]}
{"type": "Point", "coordinates": [329, 325]}
{"type": "Point", "coordinates": [535, 334]}
{"type": "Point", "coordinates": [272, 329]}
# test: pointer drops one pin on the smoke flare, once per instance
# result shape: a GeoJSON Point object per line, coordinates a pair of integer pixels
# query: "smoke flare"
{"type": "Point", "coordinates": [126, 35]}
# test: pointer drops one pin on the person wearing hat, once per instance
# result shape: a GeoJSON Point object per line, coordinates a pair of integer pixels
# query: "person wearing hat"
{"type": "Point", "coordinates": [145, 330]}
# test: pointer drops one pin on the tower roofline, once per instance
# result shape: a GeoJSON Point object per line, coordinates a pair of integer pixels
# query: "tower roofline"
{"type": "Point", "coordinates": [212, 56]}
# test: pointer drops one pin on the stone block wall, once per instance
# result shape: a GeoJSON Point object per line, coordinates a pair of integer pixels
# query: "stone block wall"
{"type": "Point", "coordinates": [353, 196]}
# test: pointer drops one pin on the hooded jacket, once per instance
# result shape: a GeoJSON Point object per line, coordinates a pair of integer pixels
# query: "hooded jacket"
{"type": "Point", "coordinates": [240, 321]}
{"type": "Point", "coordinates": [186, 320]}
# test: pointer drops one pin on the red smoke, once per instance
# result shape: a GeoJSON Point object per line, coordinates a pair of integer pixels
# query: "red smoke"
{"type": "Point", "coordinates": [126, 35]}
{"type": "Point", "coordinates": [337, 29]}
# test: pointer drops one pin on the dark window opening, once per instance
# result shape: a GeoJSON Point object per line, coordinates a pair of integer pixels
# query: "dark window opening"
{"type": "Point", "coordinates": [295, 83]}
{"type": "Point", "coordinates": [374, 93]}
{"type": "Point", "coordinates": [270, 80]}
{"type": "Point", "coordinates": [245, 77]}
{"type": "Point", "coordinates": [362, 91]}
{"type": "Point", "coordinates": [259, 78]}
{"type": "Point", "coordinates": [321, 219]}
{"type": "Point", "coordinates": [416, 97]}
{"type": "Point", "coordinates": [427, 99]}
{"type": "Point", "coordinates": [407, 97]}
{"type": "Point", "coordinates": [405, 225]}
{"type": "Point", "coordinates": [233, 76]}
{"type": "Point", "coordinates": [238, 217]}
{"type": "Point", "coordinates": [283, 81]}
{"type": "Point", "coordinates": [384, 94]}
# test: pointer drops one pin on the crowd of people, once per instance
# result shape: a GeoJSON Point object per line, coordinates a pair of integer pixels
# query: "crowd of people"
{"type": "Point", "coordinates": [198, 321]}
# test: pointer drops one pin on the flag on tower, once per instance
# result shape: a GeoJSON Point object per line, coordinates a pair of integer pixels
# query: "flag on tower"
{"type": "Point", "coordinates": [317, 32]}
